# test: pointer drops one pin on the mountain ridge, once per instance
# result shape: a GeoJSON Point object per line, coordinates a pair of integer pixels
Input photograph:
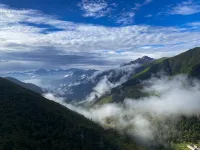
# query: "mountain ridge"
{"type": "Point", "coordinates": [142, 60]}
{"type": "Point", "coordinates": [185, 63]}
{"type": "Point", "coordinates": [112, 77]}
{"type": "Point", "coordinates": [29, 86]}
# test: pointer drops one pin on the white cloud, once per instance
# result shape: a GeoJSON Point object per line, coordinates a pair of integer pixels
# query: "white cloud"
{"type": "Point", "coordinates": [55, 98]}
{"type": "Point", "coordinates": [84, 39]}
{"type": "Point", "coordinates": [128, 17]}
{"type": "Point", "coordinates": [148, 16]}
{"type": "Point", "coordinates": [106, 84]}
{"type": "Point", "coordinates": [94, 9]}
{"type": "Point", "coordinates": [149, 117]}
{"type": "Point", "coordinates": [186, 8]}
{"type": "Point", "coordinates": [139, 5]}
{"type": "Point", "coordinates": [194, 24]}
{"type": "Point", "coordinates": [18, 65]}
{"type": "Point", "coordinates": [176, 98]}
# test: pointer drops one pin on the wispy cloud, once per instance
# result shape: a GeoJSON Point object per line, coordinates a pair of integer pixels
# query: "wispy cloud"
{"type": "Point", "coordinates": [139, 5]}
{"type": "Point", "coordinates": [194, 24]}
{"type": "Point", "coordinates": [186, 8]}
{"type": "Point", "coordinates": [148, 16]}
{"type": "Point", "coordinates": [127, 17]}
{"type": "Point", "coordinates": [94, 9]}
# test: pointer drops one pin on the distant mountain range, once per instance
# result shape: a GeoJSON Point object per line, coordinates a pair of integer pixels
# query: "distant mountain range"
{"type": "Point", "coordinates": [90, 87]}
{"type": "Point", "coordinates": [50, 78]}
{"type": "Point", "coordinates": [78, 84]}
{"type": "Point", "coordinates": [60, 73]}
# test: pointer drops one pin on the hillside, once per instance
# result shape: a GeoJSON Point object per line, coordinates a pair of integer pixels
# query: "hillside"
{"type": "Point", "coordinates": [188, 63]}
{"type": "Point", "coordinates": [29, 121]}
{"type": "Point", "coordinates": [29, 86]}
{"type": "Point", "coordinates": [184, 63]}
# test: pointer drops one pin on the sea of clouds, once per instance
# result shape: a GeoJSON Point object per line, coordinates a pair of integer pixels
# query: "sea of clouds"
{"type": "Point", "coordinates": [149, 118]}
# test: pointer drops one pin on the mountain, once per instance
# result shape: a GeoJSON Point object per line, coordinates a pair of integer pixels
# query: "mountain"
{"type": "Point", "coordinates": [79, 84]}
{"type": "Point", "coordinates": [51, 78]}
{"type": "Point", "coordinates": [143, 60]}
{"type": "Point", "coordinates": [184, 63]}
{"type": "Point", "coordinates": [91, 87]}
{"type": "Point", "coordinates": [29, 86]}
{"type": "Point", "coordinates": [186, 128]}
{"type": "Point", "coordinates": [72, 76]}
{"type": "Point", "coordinates": [42, 72]}
{"type": "Point", "coordinates": [29, 121]}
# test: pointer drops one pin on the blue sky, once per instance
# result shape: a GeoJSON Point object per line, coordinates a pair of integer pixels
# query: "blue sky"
{"type": "Point", "coordinates": [93, 33]}
{"type": "Point", "coordinates": [110, 12]}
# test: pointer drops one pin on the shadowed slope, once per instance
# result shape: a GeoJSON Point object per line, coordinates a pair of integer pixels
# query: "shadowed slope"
{"type": "Point", "coordinates": [29, 121]}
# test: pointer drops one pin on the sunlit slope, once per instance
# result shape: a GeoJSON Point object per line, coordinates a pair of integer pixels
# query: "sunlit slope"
{"type": "Point", "coordinates": [29, 121]}
{"type": "Point", "coordinates": [184, 63]}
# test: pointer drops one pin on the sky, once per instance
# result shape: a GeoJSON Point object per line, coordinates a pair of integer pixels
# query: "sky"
{"type": "Point", "coordinates": [99, 34]}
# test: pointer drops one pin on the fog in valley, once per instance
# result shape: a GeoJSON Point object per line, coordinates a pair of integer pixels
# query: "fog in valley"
{"type": "Point", "coordinates": [149, 119]}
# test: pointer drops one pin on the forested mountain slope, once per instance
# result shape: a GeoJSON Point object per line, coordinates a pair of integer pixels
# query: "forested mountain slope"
{"type": "Point", "coordinates": [31, 122]}
{"type": "Point", "coordinates": [184, 63]}
{"type": "Point", "coordinates": [187, 127]}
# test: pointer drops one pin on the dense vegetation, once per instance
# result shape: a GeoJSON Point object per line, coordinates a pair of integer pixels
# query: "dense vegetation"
{"type": "Point", "coordinates": [189, 129]}
{"type": "Point", "coordinates": [31, 122]}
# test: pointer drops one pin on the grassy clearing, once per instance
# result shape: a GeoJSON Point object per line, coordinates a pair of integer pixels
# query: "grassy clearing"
{"type": "Point", "coordinates": [142, 72]}
{"type": "Point", "coordinates": [106, 100]}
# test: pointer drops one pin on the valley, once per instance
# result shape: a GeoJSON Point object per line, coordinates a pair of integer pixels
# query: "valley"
{"type": "Point", "coordinates": [155, 103]}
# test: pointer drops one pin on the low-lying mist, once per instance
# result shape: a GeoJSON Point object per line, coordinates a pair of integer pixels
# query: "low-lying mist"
{"type": "Point", "coordinates": [108, 80]}
{"type": "Point", "coordinates": [148, 119]}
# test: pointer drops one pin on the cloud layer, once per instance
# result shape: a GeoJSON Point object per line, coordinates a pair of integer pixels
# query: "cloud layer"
{"type": "Point", "coordinates": [108, 82]}
{"type": "Point", "coordinates": [35, 34]}
{"type": "Point", "coordinates": [148, 118]}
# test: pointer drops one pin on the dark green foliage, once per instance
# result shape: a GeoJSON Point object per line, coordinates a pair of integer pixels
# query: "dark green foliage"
{"type": "Point", "coordinates": [195, 72]}
{"type": "Point", "coordinates": [30, 122]}
{"type": "Point", "coordinates": [189, 129]}
{"type": "Point", "coordinates": [184, 62]}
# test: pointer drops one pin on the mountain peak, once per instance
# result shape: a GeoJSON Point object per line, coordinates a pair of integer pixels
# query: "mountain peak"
{"type": "Point", "coordinates": [141, 61]}
{"type": "Point", "coordinates": [146, 57]}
